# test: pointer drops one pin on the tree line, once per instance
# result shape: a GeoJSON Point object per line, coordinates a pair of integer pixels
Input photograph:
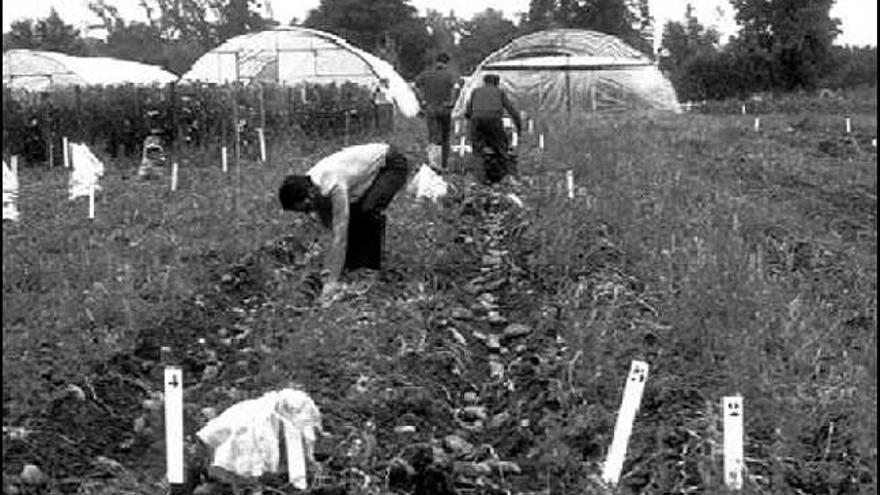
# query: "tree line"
{"type": "Point", "coordinates": [781, 45]}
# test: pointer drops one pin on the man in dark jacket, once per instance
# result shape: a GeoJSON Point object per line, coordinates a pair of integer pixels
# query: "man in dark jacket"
{"type": "Point", "coordinates": [436, 88]}
{"type": "Point", "coordinates": [484, 111]}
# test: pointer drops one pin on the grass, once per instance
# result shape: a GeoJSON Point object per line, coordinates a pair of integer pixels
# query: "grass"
{"type": "Point", "coordinates": [733, 262]}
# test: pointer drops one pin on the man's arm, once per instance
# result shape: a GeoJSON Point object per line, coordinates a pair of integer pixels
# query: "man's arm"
{"type": "Point", "coordinates": [508, 105]}
{"type": "Point", "coordinates": [335, 260]}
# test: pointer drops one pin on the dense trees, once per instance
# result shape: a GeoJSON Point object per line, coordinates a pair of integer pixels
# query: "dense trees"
{"type": "Point", "coordinates": [782, 45]}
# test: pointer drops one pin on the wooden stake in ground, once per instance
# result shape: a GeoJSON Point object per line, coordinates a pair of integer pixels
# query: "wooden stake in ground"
{"type": "Point", "coordinates": [733, 441]}
{"type": "Point", "coordinates": [848, 125]}
{"type": "Point", "coordinates": [632, 396]}
{"type": "Point", "coordinates": [174, 176]}
{"type": "Point", "coordinates": [457, 127]}
{"type": "Point", "coordinates": [461, 147]}
{"type": "Point", "coordinates": [224, 159]}
{"type": "Point", "coordinates": [66, 150]}
{"type": "Point", "coordinates": [174, 424]}
{"type": "Point", "coordinates": [541, 141]}
{"type": "Point", "coordinates": [569, 182]}
{"type": "Point", "coordinates": [514, 139]}
{"type": "Point", "coordinates": [531, 126]}
{"type": "Point", "coordinates": [744, 109]}
{"type": "Point", "coordinates": [92, 202]}
{"type": "Point", "coordinates": [757, 124]}
{"type": "Point", "coordinates": [262, 137]}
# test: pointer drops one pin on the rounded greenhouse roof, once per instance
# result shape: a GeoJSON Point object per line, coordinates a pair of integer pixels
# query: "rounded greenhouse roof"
{"type": "Point", "coordinates": [35, 70]}
{"type": "Point", "coordinates": [292, 55]}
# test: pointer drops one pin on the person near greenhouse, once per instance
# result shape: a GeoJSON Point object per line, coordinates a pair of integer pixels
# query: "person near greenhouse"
{"type": "Point", "coordinates": [484, 111]}
{"type": "Point", "coordinates": [384, 106]}
{"type": "Point", "coordinates": [349, 191]}
{"type": "Point", "coordinates": [436, 88]}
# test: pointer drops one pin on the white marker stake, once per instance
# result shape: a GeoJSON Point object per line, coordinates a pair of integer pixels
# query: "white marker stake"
{"type": "Point", "coordinates": [744, 109]}
{"type": "Point", "coordinates": [848, 125]}
{"type": "Point", "coordinates": [66, 152]}
{"type": "Point", "coordinates": [733, 442]}
{"type": "Point", "coordinates": [531, 126]}
{"type": "Point", "coordinates": [632, 396]}
{"type": "Point", "coordinates": [174, 423]}
{"type": "Point", "coordinates": [461, 149]}
{"type": "Point", "coordinates": [569, 180]}
{"type": "Point", "coordinates": [174, 176]}
{"type": "Point", "coordinates": [457, 127]}
{"type": "Point", "coordinates": [262, 145]}
{"type": "Point", "coordinates": [757, 124]}
{"type": "Point", "coordinates": [514, 139]}
{"type": "Point", "coordinates": [296, 457]}
{"type": "Point", "coordinates": [224, 159]}
{"type": "Point", "coordinates": [541, 142]}
{"type": "Point", "coordinates": [92, 202]}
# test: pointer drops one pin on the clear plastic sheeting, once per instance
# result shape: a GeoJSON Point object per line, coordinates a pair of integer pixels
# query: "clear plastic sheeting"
{"type": "Point", "coordinates": [245, 438]}
{"type": "Point", "coordinates": [578, 71]}
{"type": "Point", "coordinates": [293, 55]}
{"type": "Point", "coordinates": [34, 70]}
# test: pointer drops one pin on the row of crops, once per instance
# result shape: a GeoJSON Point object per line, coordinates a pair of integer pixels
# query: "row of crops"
{"type": "Point", "coordinates": [827, 103]}
{"type": "Point", "coordinates": [120, 117]}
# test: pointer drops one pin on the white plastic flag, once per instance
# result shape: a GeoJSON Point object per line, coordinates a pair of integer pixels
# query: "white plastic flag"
{"type": "Point", "coordinates": [632, 396]}
{"type": "Point", "coordinates": [428, 184]}
{"type": "Point", "coordinates": [733, 442]}
{"type": "Point", "coordinates": [10, 190]}
{"type": "Point", "coordinates": [87, 169]}
{"type": "Point", "coordinates": [174, 423]}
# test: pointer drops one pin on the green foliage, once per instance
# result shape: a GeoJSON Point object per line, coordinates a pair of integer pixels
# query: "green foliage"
{"type": "Point", "coordinates": [190, 115]}
{"type": "Point", "coordinates": [50, 33]}
{"type": "Point", "coordinates": [486, 32]}
{"type": "Point", "coordinates": [389, 28]}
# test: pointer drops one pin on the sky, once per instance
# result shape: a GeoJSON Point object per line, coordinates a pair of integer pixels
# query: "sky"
{"type": "Point", "coordinates": [859, 17]}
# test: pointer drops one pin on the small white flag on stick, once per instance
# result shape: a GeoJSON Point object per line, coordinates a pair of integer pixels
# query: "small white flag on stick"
{"type": "Point", "coordinates": [10, 190]}
{"type": "Point", "coordinates": [87, 169]}
{"type": "Point", "coordinates": [733, 442]}
{"type": "Point", "coordinates": [174, 423]}
{"type": "Point", "coordinates": [632, 396]}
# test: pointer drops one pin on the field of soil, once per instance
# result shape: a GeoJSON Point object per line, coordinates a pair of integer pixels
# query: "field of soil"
{"type": "Point", "coordinates": [489, 356]}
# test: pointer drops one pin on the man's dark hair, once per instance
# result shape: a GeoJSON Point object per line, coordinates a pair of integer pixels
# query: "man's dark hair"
{"type": "Point", "coordinates": [492, 79]}
{"type": "Point", "coordinates": [443, 58]}
{"type": "Point", "coordinates": [293, 190]}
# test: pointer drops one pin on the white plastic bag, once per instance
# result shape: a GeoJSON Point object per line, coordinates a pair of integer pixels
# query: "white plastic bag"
{"type": "Point", "coordinates": [427, 184]}
{"type": "Point", "coordinates": [10, 193]}
{"type": "Point", "coordinates": [86, 171]}
{"type": "Point", "coordinates": [244, 438]}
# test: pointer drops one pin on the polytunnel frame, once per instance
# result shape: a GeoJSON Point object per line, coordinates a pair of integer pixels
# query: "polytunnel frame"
{"type": "Point", "coordinates": [48, 75]}
{"type": "Point", "coordinates": [339, 43]}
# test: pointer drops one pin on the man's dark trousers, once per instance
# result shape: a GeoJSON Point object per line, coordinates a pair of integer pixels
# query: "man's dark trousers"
{"type": "Point", "coordinates": [489, 131]}
{"type": "Point", "coordinates": [439, 127]}
{"type": "Point", "coordinates": [366, 221]}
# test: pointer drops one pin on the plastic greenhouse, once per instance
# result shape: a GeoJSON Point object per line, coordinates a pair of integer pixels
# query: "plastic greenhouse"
{"type": "Point", "coordinates": [292, 55]}
{"type": "Point", "coordinates": [572, 70]}
{"type": "Point", "coordinates": [34, 70]}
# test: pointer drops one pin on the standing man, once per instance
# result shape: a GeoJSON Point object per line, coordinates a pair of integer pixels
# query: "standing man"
{"type": "Point", "coordinates": [436, 87]}
{"type": "Point", "coordinates": [349, 191]}
{"type": "Point", "coordinates": [484, 111]}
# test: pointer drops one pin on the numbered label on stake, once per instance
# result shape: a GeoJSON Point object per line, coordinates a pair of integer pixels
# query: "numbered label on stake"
{"type": "Point", "coordinates": [632, 396]}
{"type": "Point", "coordinates": [174, 423]}
{"type": "Point", "coordinates": [733, 441]}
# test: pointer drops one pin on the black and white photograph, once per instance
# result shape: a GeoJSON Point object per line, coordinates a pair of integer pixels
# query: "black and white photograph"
{"type": "Point", "coordinates": [439, 247]}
